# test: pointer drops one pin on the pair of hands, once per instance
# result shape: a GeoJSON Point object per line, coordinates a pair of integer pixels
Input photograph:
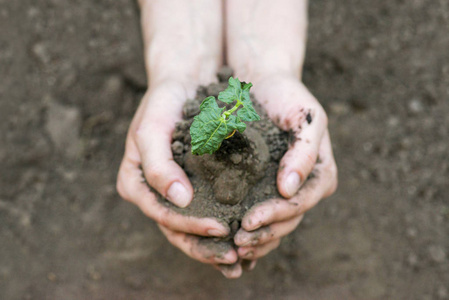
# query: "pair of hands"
{"type": "Point", "coordinates": [174, 77]}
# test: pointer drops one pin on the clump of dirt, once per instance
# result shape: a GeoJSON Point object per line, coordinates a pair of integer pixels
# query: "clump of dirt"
{"type": "Point", "coordinates": [241, 173]}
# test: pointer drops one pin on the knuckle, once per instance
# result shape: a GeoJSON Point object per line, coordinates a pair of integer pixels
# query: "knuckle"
{"type": "Point", "coordinates": [295, 208]}
{"type": "Point", "coordinates": [308, 161]}
{"type": "Point", "coordinates": [305, 159]}
{"type": "Point", "coordinates": [141, 132]}
{"type": "Point", "coordinates": [310, 157]}
{"type": "Point", "coordinates": [153, 171]}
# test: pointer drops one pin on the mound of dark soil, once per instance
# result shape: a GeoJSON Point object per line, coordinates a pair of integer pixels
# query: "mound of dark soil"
{"type": "Point", "coordinates": [241, 173]}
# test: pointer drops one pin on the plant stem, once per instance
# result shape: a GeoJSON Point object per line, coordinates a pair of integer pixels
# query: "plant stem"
{"type": "Point", "coordinates": [227, 113]}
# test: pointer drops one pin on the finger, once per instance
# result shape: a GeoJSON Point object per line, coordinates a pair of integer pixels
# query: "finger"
{"type": "Point", "coordinates": [131, 188]}
{"type": "Point", "coordinates": [322, 184]}
{"type": "Point", "coordinates": [255, 252]}
{"type": "Point", "coordinates": [205, 250]}
{"type": "Point", "coordinates": [231, 271]}
{"type": "Point", "coordinates": [153, 139]}
{"type": "Point", "coordinates": [266, 234]}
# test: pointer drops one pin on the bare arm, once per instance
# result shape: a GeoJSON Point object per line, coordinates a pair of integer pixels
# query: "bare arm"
{"type": "Point", "coordinates": [266, 37]}
{"type": "Point", "coordinates": [183, 48]}
{"type": "Point", "coordinates": [266, 45]}
{"type": "Point", "coordinates": [182, 39]}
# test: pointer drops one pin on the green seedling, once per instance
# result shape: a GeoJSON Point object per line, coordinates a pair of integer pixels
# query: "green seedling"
{"type": "Point", "coordinates": [214, 124]}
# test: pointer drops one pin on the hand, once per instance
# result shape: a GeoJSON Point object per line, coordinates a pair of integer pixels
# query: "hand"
{"type": "Point", "coordinates": [307, 172]}
{"type": "Point", "coordinates": [183, 49]}
{"type": "Point", "coordinates": [148, 145]}
{"type": "Point", "coordinates": [266, 46]}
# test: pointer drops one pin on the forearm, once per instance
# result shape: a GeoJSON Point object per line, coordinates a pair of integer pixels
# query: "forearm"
{"type": "Point", "coordinates": [266, 36]}
{"type": "Point", "coordinates": [182, 39]}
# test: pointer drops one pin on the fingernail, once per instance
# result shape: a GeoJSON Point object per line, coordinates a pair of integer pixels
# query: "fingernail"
{"type": "Point", "coordinates": [216, 232]}
{"type": "Point", "coordinates": [245, 242]}
{"type": "Point", "coordinates": [178, 195]}
{"type": "Point", "coordinates": [254, 223]}
{"type": "Point", "coordinates": [291, 185]}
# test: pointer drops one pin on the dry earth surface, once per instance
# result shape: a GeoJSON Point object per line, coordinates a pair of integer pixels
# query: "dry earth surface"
{"type": "Point", "coordinates": [71, 76]}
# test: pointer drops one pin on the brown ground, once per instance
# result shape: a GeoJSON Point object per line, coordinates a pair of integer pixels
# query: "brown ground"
{"type": "Point", "coordinates": [71, 75]}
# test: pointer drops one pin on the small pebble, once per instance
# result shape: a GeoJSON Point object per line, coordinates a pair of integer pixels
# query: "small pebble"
{"type": "Point", "coordinates": [339, 109]}
{"type": "Point", "coordinates": [235, 226]}
{"type": "Point", "coordinates": [187, 138]}
{"type": "Point", "coordinates": [179, 159]}
{"type": "Point", "coordinates": [415, 106]}
{"type": "Point", "coordinates": [437, 254]}
{"type": "Point", "coordinates": [236, 158]}
{"type": "Point", "coordinates": [412, 260]}
{"type": "Point", "coordinates": [443, 293]}
{"type": "Point", "coordinates": [267, 190]}
{"type": "Point", "coordinates": [42, 52]}
{"type": "Point", "coordinates": [191, 108]}
{"type": "Point", "coordinates": [411, 232]}
{"type": "Point", "coordinates": [51, 276]}
{"type": "Point", "coordinates": [215, 88]}
{"type": "Point", "coordinates": [393, 121]}
{"type": "Point", "coordinates": [177, 147]}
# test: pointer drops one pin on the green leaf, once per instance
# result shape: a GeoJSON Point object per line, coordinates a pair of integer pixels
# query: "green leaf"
{"type": "Point", "coordinates": [212, 125]}
{"type": "Point", "coordinates": [209, 103]}
{"type": "Point", "coordinates": [208, 128]}
{"type": "Point", "coordinates": [245, 94]}
{"type": "Point", "coordinates": [234, 123]}
{"type": "Point", "coordinates": [232, 93]}
{"type": "Point", "coordinates": [248, 113]}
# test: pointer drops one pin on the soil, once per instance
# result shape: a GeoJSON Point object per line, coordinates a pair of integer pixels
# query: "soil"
{"type": "Point", "coordinates": [71, 77]}
{"type": "Point", "coordinates": [243, 170]}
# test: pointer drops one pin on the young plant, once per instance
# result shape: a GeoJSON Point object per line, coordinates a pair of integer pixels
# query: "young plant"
{"type": "Point", "coordinates": [214, 124]}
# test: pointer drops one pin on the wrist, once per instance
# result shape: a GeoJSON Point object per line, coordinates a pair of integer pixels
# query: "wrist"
{"type": "Point", "coordinates": [196, 70]}
{"type": "Point", "coordinates": [182, 39]}
{"type": "Point", "coordinates": [250, 64]}
{"type": "Point", "coordinates": [259, 76]}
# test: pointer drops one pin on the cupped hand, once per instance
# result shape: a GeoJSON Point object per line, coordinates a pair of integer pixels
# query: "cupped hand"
{"type": "Point", "coordinates": [307, 172]}
{"type": "Point", "coordinates": [148, 148]}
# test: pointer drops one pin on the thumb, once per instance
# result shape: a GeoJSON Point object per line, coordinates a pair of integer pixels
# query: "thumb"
{"type": "Point", "coordinates": [153, 138]}
{"type": "Point", "coordinates": [302, 155]}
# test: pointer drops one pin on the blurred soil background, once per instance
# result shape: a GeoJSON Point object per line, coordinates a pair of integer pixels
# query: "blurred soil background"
{"type": "Point", "coordinates": [71, 77]}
